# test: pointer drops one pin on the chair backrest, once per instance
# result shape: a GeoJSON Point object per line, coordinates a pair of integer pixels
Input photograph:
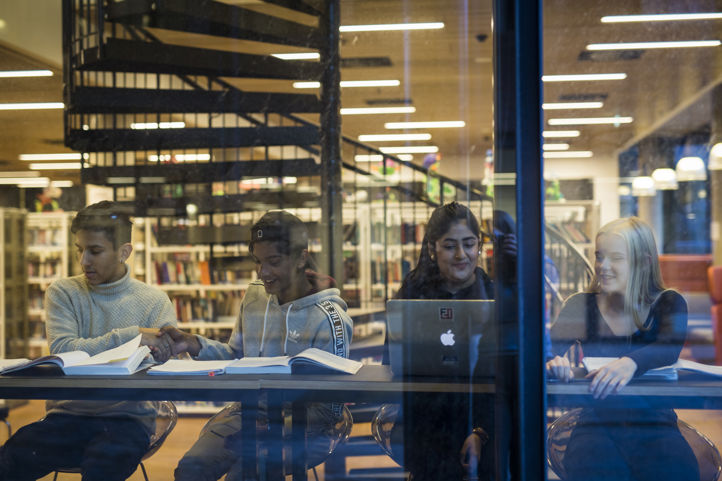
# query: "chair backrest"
{"type": "Point", "coordinates": [165, 421]}
{"type": "Point", "coordinates": [708, 457]}
{"type": "Point", "coordinates": [381, 427]}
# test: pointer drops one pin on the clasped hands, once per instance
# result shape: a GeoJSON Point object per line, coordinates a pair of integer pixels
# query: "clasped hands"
{"type": "Point", "coordinates": [609, 379]}
{"type": "Point", "coordinates": [169, 341]}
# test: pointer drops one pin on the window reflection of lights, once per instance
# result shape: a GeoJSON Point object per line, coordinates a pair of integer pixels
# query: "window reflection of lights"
{"type": "Point", "coordinates": [350, 83]}
{"type": "Point", "coordinates": [559, 146]}
{"type": "Point", "coordinates": [592, 121]}
{"type": "Point", "coordinates": [28, 182]}
{"type": "Point", "coordinates": [413, 149]}
{"type": "Point", "coordinates": [61, 183]}
{"type": "Point", "coordinates": [36, 157]}
{"type": "Point", "coordinates": [368, 157]}
{"type": "Point", "coordinates": [377, 110]}
{"type": "Point", "coordinates": [443, 124]}
{"type": "Point", "coordinates": [392, 137]}
{"type": "Point", "coordinates": [19, 174]}
{"type": "Point", "coordinates": [572, 105]}
{"type": "Point", "coordinates": [550, 134]}
{"type": "Point", "coordinates": [32, 106]}
{"type": "Point", "coordinates": [179, 157]}
{"type": "Point", "coordinates": [589, 77]}
{"type": "Point", "coordinates": [690, 169]}
{"type": "Point", "coordinates": [661, 17]}
{"type": "Point", "coordinates": [664, 179]}
{"type": "Point", "coordinates": [297, 56]}
{"type": "Point", "coordinates": [569, 154]}
{"type": "Point", "coordinates": [624, 190]}
{"type": "Point", "coordinates": [56, 166]}
{"type": "Point", "coordinates": [653, 45]}
{"type": "Point", "coordinates": [405, 157]}
{"type": "Point", "coordinates": [715, 157]}
{"type": "Point", "coordinates": [643, 186]}
{"type": "Point", "coordinates": [391, 26]}
{"type": "Point", "coordinates": [25, 73]}
{"type": "Point", "coordinates": [157, 125]}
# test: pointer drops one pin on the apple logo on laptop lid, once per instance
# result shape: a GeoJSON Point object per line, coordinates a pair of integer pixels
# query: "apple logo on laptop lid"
{"type": "Point", "coordinates": [447, 338]}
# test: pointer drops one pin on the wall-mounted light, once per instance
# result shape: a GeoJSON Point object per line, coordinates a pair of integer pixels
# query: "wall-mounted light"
{"type": "Point", "coordinates": [643, 186]}
{"type": "Point", "coordinates": [664, 179]}
{"type": "Point", "coordinates": [690, 169]}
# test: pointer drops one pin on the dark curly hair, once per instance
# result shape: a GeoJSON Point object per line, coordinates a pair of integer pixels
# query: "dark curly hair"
{"type": "Point", "coordinates": [106, 217]}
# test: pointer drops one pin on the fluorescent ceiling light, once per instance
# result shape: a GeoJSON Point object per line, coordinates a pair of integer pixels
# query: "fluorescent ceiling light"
{"type": "Point", "coordinates": [391, 26]}
{"type": "Point", "coordinates": [425, 125]}
{"type": "Point", "coordinates": [560, 146]}
{"type": "Point", "coordinates": [61, 183]}
{"type": "Point", "coordinates": [156, 125]}
{"type": "Point", "coordinates": [392, 137]}
{"type": "Point", "coordinates": [56, 166]}
{"type": "Point", "coordinates": [661, 17]}
{"type": "Point", "coordinates": [32, 106]}
{"type": "Point", "coordinates": [368, 158]}
{"type": "Point", "coordinates": [412, 149]}
{"type": "Point", "coordinates": [560, 133]}
{"type": "Point", "coordinates": [572, 105]}
{"type": "Point", "coordinates": [650, 45]}
{"type": "Point", "coordinates": [36, 157]}
{"type": "Point", "coordinates": [179, 157]}
{"type": "Point", "coordinates": [350, 83]}
{"type": "Point", "coordinates": [377, 110]}
{"type": "Point", "coordinates": [592, 121]}
{"type": "Point", "coordinates": [569, 154]}
{"type": "Point", "coordinates": [25, 181]}
{"type": "Point", "coordinates": [22, 173]}
{"type": "Point", "coordinates": [584, 77]}
{"type": "Point", "coordinates": [297, 56]}
{"type": "Point", "coordinates": [25, 73]}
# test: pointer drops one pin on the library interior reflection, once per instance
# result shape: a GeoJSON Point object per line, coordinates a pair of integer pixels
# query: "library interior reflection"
{"type": "Point", "coordinates": [361, 118]}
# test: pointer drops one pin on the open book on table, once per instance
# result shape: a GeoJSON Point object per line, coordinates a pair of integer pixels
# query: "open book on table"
{"type": "Point", "coordinates": [665, 373]}
{"type": "Point", "coordinates": [309, 360]}
{"type": "Point", "coordinates": [124, 359]}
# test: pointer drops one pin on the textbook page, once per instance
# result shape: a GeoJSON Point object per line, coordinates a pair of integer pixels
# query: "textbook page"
{"type": "Point", "coordinates": [189, 366]}
{"type": "Point", "coordinates": [664, 373]}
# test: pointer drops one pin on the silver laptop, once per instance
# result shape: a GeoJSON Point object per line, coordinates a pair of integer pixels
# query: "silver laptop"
{"type": "Point", "coordinates": [436, 337]}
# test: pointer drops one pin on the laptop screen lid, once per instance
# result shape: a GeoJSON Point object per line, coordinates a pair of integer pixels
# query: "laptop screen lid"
{"type": "Point", "coordinates": [436, 337]}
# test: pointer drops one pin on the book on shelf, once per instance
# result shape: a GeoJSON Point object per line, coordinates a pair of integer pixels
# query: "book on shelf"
{"type": "Point", "coordinates": [309, 360]}
{"type": "Point", "coordinates": [122, 360]}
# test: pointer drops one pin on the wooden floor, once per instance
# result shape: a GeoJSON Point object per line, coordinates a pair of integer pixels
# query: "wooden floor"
{"type": "Point", "coordinates": [161, 465]}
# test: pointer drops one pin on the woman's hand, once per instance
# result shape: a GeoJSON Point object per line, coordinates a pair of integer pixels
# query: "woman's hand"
{"type": "Point", "coordinates": [560, 368]}
{"type": "Point", "coordinates": [611, 378]}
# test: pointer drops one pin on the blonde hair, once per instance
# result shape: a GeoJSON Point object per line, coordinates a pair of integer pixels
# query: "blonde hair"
{"type": "Point", "coordinates": [645, 278]}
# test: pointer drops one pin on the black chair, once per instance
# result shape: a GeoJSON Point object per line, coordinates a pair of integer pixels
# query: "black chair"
{"type": "Point", "coordinates": [708, 457]}
{"type": "Point", "coordinates": [165, 421]}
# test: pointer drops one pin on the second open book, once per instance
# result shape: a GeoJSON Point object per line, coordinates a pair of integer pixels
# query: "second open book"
{"type": "Point", "coordinates": [665, 373]}
{"type": "Point", "coordinates": [312, 359]}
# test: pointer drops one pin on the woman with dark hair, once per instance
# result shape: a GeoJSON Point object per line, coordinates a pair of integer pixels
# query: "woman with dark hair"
{"type": "Point", "coordinates": [448, 268]}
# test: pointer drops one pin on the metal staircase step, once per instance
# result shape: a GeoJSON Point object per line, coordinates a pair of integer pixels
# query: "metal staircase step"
{"type": "Point", "coordinates": [213, 18]}
{"type": "Point", "coordinates": [310, 7]}
{"type": "Point", "coordinates": [182, 173]}
{"type": "Point", "coordinates": [125, 100]}
{"type": "Point", "coordinates": [106, 140]}
{"type": "Point", "coordinates": [121, 55]}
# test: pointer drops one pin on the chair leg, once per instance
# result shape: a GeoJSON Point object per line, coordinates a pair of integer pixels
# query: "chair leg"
{"type": "Point", "coordinates": [10, 431]}
{"type": "Point", "coordinates": [145, 475]}
{"type": "Point", "coordinates": [55, 477]}
{"type": "Point", "coordinates": [315, 474]}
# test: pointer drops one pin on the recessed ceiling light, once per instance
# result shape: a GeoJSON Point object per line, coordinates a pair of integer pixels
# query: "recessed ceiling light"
{"type": "Point", "coordinates": [444, 124]}
{"type": "Point", "coordinates": [592, 121]}
{"type": "Point", "coordinates": [350, 83]}
{"type": "Point", "coordinates": [661, 17]}
{"type": "Point", "coordinates": [411, 149]}
{"type": "Point", "coordinates": [297, 56]}
{"type": "Point", "coordinates": [391, 26]}
{"type": "Point", "coordinates": [392, 137]}
{"type": "Point", "coordinates": [572, 105]}
{"type": "Point", "coordinates": [32, 106]}
{"type": "Point", "coordinates": [559, 146]}
{"type": "Point", "coordinates": [25, 73]}
{"type": "Point", "coordinates": [157, 125]}
{"type": "Point", "coordinates": [56, 166]}
{"type": "Point", "coordinates": [378, 110]}
{"type": "Point", "coordinates": [584, 77]}
{"type": "Point", "coordinates": [64, 156]}
{"type": "Point", "coordinates": [651, 45]}
{"type": "Point", "coordinates": [560, 133]}
{"type": "Point", "coordinates": [569, 154]}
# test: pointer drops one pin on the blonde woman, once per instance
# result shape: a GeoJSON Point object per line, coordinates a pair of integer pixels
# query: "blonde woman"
{"type": "Point", "coordinates": [626, 314]}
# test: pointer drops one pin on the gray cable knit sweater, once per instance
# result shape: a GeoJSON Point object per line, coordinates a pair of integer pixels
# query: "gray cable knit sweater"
{"type": "Point", "coordinates": [82, 317]}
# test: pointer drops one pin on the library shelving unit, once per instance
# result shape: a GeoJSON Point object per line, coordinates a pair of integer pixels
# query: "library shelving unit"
{"type": "Point", "coordinates": [48, 259]}
{"type": "Point", "coordinates": [13, 284]}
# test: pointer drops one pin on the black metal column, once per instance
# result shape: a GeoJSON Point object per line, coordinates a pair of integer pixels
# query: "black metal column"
{"type": "Point", "coordinates": [331, 185]}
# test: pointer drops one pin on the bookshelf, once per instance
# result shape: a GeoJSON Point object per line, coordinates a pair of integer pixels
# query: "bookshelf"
{"type": "Point", "coordinates": [48, 259]}
{"type": "Point", "coordinates": [13, 284]}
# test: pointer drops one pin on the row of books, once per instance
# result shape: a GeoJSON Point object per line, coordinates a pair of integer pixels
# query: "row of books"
{"type": "Point", "coordinates": [46, 237]}
{"type": "Point", "coordinates": [46, 268]}
{"type": "Point", "coordinates": [208, 308]}
{"type": "Point", "coordinates": [405, 233]}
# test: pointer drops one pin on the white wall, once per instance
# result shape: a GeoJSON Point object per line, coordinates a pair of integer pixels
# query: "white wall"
{"type": "Point", "coordinates": [33, 26]}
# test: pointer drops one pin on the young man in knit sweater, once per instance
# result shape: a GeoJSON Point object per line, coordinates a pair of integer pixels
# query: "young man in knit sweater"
{"type": "Point", "coordinates": [93, 312]}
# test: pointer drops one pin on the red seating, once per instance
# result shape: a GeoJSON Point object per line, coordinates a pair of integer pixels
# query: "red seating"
{"type": "Point", "coordinates": [685, 272]}
{"type": "Point", "coordinates": [714, 279]}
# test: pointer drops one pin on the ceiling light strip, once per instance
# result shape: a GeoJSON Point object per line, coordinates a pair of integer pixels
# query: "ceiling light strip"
{"type": "Point", "coordinates": [56, 166]}
{"type": "Point", "coordinates": [61, 156]}
{"type": "Point", "coordinates": [444, 124]}
{"type": "Point", "coordinates": [559, 146]}
{"type": "Point", "coordinates": [32, 106]}
{"type": "Point", "coordinates": [653, 45]}
{"type": "Point", "coordinates": [391, 27]}
{"type": "Point", "coordinates": [377, 110]}
{"type": "Point", "coordinates": [393, 137]}
{"type": "Point", "coordinates": [589, 77]}
{"type": "Point", "coordinates": [350, 83]}
{"type": "Point", "coordinates": [661, 17]}
{"type": "Point", "coordinates": [25, 73]}
{"type": "Point", "coordinates": [549, 134]}
{"type": "Point", "coordinates": [412, 149]}
{"type": "Point", "coordinates": [592, 121]}
{"type": "Point", "coordinates": [569, 154]}
{"type": "Point", "coordinates": [572, 105]}
{"type": "Point", "coordinates": [297, 56]}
